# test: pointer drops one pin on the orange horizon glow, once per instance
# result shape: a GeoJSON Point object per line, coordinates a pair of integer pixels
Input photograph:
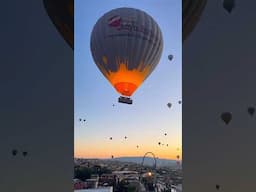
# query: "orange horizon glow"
{"type": "Point", "coordinates": [106, 153]}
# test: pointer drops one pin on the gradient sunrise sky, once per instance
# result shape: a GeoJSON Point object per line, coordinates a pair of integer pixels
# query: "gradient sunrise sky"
{"type": "Point", "coordinates": [145, 121]}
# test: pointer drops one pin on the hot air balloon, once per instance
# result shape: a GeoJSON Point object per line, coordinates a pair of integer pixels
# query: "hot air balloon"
{"type": "Point", "coordinates": [137, 146]}
{"type": "Point", "coordinates": [125, 137]}
{"type": "Point", "coordinates": [61, 12]}
{"type": "Point", "coordinates": [126, 45]}
{"type": "Point", "coordinates": [178, 156]}
{"type": "Point", "coordinates": [229, 5]}
{"type": "Point", "coordinates": [226, 117]}
{"type": "Point", "coordinates": [165, 134]}
{"type": "Point", "coordinates": [169, 105]}
{"type": "Point", "coordinates": [251, 110]}
{"type": "Point", "coordinates": [159, 143]}
{"type": "Point", "coordinates": [191, 13]}
{"type": "Point", "coordinates": [110, 138]}
{"type": "Point", "coordinates": [170, 57]}
{"type": "Point", "coordinates": [217, 187]}
{"type": "Point", "coordinates": [180, 102]}
{"type": "Point", "coordinates": [24, 153]}
{"type": "Point", "coordinates": [14, 152]}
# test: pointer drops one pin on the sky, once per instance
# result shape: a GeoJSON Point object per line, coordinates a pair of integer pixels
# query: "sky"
{"type": "Point", "coordinates": [146, 121]}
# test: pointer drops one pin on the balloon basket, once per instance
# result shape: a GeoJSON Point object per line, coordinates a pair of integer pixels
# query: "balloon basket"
{"type": "Point", "coordinates": [126, 100]}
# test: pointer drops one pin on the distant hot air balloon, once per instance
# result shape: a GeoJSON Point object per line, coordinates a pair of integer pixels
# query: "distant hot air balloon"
{"type": "Point", "coordinates": [24, 153]}
{"type": "Point", "coordinates": [226, 117]}
{"type": "Point", "coordinates": [178, 156]}
{"type": "Point", "coordinates": [61, 12]}
{"type": "Point", "coordinates": [251, 110]}
{"type": "Point", "coordinates": [112, 156]}
{"type": "Point", "coordinates": [125, 137]}
{"type": "Point", "coordinates": [80, 119]}
{"type": "Point", "coordinates": [180, 102]}
{"type": "Point", "coordinates": [229, 5]}
{"type": "Point", "coordinates": [126, 45]}
{"type": "Point", "coordinates": [137, 146]}
{"type": "Point", "coordinates": [14, 152]}
{"type": "Point", "coordinates": [167, 145]}
{"type": "Point", "coordinates": [170, 57]}
{"type": "Point", "coordinates": [110, 138]}
{"type": "Point", "coordinates": [191, 13]}
{"type": "Point", "coordinates": [159, 143]}
{"type": "Point", "coordinates": [169, 105]}
{"type": "Point", "coordinates": [165, 134]}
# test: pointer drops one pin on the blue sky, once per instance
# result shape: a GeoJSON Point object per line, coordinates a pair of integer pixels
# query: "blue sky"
{"type": "Point", "coordinates": [148, 118]}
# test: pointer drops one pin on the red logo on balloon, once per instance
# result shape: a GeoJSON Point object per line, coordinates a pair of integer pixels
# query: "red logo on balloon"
{"type": "Point", "coordinates": [114, 21]}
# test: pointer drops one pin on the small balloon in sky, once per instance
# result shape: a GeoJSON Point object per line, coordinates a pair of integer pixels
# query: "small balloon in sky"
{"type": "Point", "coordinates": [180, 102]}
{"type": "Point", "coordinates": [226, 117]}
{"type": "Point", "coordinates": [110, 138]}
{"type": "Point", "coordinates": [178, 156]}
{"type": "Point", "coordinates": [251, 110]}
{"type": "Point", "coordinates": [112, 156]}
{"type": "Point", "coordinates": [80, 119]}
{"type": "Point", "coordinates": [229, 5]}
{"type": "Point", "coordinates": [170, 57]}
{"type": "Point", "coordinates": [125, 137]}
{"type": "Point", "coordinates": [14, 152]}
{"type": "Point", "coordinates": [165, 134]}
{"type": "Point", "coordinates": [24, 153]}
{"type": "Point", "coordinates": [137, 146]}
{"type": "Point", "coordinates": [169, 105]}
{"type": "Point", "coordinates": [159, 143]}
{"type": "Point", "coordinates": [167, 145]}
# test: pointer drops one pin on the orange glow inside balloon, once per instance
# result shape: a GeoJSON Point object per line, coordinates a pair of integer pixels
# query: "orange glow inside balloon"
{"type": "Point", "coordinates": [127, 81]}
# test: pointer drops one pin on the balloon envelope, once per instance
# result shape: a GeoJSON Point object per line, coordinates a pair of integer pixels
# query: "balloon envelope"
{"type": "Point", "coordinates": [229, 5]}
{"type": "Point", "coordinates": [191, 13]}
{"type": "Point", "coordinates": [251, 110]}
{"type": "Point", "coordinates": [170, 57]}
{"type": "Point", "coordinates": [126, 45]}
{"type": "Point", "coordinates": [61, 12]}
{"type": "Point", "coordinates": [226, 117]}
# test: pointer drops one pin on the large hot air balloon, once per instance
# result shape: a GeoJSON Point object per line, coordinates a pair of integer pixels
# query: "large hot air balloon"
{"type": "Point", "coordinates": [61, 13]}
{"type": "Point", "coordinates": [126, 45]}
{"type": "Point", "coordinates": [191, 12]}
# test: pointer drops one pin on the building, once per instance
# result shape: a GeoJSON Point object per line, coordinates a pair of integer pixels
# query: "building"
{"type": "Point", "coordinates": [103, 189]}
